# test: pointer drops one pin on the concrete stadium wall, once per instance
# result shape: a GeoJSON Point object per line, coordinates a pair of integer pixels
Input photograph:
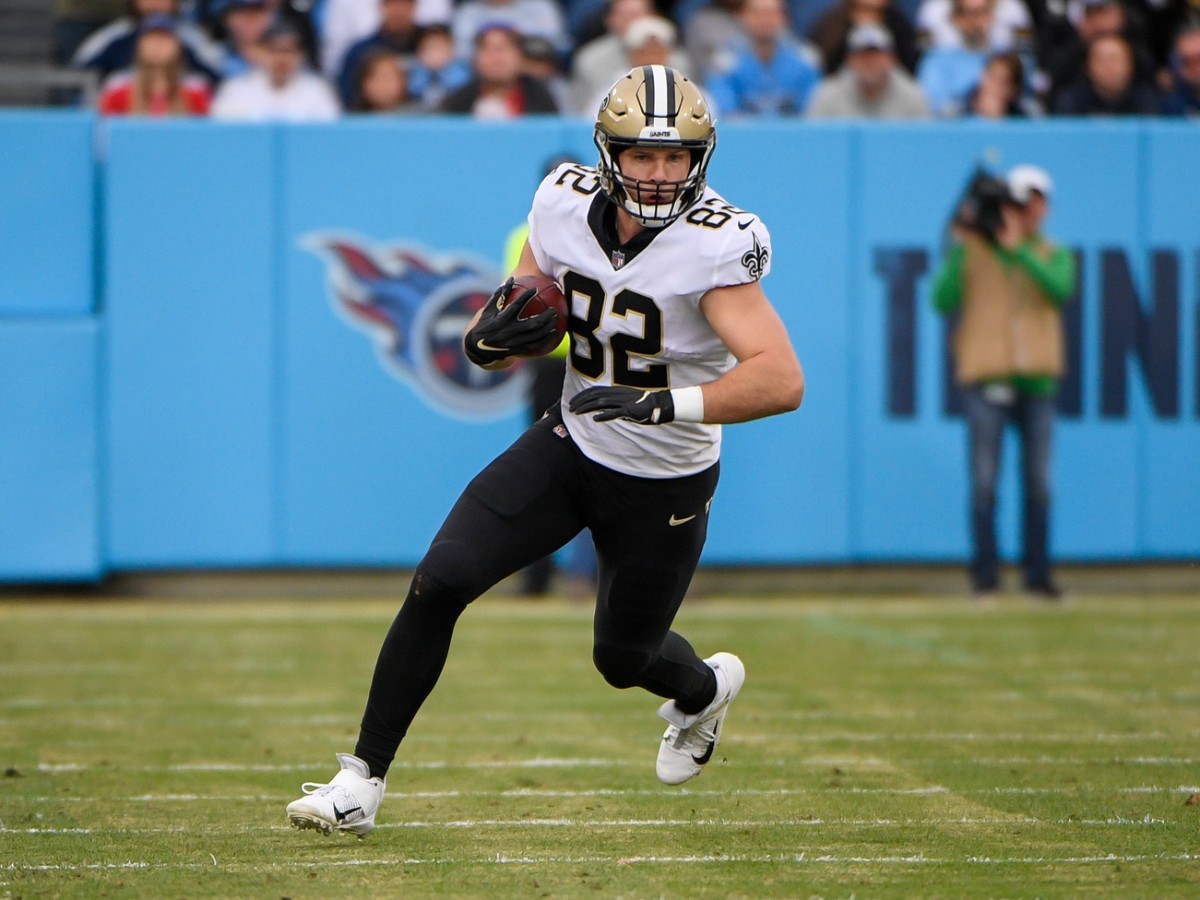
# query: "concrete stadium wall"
{"type": "Point", "coordinates": [236, 345]}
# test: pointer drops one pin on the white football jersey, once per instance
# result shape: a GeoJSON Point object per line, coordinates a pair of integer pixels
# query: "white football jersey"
{"type": "Point", "coordinates": [635, 312]}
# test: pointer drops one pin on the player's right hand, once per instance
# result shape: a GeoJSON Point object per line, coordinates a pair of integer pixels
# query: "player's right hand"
{"type": "Point", "coordinates": [500, 332]}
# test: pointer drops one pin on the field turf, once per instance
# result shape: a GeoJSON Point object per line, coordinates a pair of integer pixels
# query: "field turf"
{"type": "Point", "coordinates": [915, 747]}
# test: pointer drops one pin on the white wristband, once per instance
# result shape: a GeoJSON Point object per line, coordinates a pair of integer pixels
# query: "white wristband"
{"type": "Point", "coordinates": [689, 403]}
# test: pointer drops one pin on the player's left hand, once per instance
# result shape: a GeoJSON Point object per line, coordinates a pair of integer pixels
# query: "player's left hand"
{"type": "Point", "coordinates": [608, 403]}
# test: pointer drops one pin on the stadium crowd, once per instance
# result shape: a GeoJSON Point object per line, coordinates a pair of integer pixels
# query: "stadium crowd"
{"type": "Point", "coordinates": [314, 60]}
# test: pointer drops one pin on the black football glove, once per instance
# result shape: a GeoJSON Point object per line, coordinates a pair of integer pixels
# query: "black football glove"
{"type": "Point", "coordinates": [608, 403]}
{"type": "Point", "coordinates": [499, 333]}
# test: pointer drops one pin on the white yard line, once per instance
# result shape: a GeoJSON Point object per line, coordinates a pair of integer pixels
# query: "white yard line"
{"type": "Point", "coordinates": [592, 763]}
{"type": "Point", "coordinates": [990, 821]}
{"type": "Point", "coordinates": [779, 736]}
{"type": "Point", "coordinates": [800, 859]}
{"type": "Point", "coordinates": [568, 794]}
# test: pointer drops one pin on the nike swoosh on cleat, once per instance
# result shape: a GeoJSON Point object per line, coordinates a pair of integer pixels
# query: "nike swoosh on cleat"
{"type": "Point", "coordinates": [701, 760]}
{"type": "Point", "coordinates": [343, 813]}
{"type": "Point", "coordinates": [674, 521]}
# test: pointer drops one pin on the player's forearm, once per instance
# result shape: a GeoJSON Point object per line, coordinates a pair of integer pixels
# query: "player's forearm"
{"type": "Point", "coordinates": [766, 384]}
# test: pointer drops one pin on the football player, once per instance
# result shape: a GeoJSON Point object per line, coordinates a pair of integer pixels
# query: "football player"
{"type": "Point", "coordinates": [671, 337]}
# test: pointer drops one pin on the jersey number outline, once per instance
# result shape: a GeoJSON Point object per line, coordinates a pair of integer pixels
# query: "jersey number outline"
{"type": "Point", "coordinates": [714, 213]}
{"type": "Point", "coordinates": [588, 354]}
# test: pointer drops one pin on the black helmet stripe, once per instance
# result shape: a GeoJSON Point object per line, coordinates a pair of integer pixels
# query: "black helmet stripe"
{"type": "Point", "coordinates": [660, 96]}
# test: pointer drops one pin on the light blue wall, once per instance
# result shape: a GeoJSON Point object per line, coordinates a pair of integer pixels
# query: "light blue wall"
{"type": "Point", "coordinates": [186, 381]}
{"type": "Point", "coordinates": [364, 461]}
{"type": "Point", "coordinates": [49, 449]}
{"type": "Point", "coordinates": [47, 214]}
{"type": "Point", "coordinates": [785, 482]}
{"type": "Point", "coordinates": [192, 313]}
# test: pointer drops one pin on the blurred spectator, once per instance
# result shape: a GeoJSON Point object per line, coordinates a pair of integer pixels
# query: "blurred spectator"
{"type": "Point", "coordinates": [1007, 287]}
{"type": "Point", "coordinates": [540, 59]}
{"type": "Point", "coordinates": [1064, 41]}
{"type": "Point", "coordinates": [346, 22]}
{"type": "Point", "coordinates": [210, 14]}
{"type": "Point", "coordinates": [713, 26]}
{"type": "Point", "coordinates": [244, 22]}
{"type": "Point", "coordinates": [601, 61]}
{"type": "Point", "coordinates": [1184, 96]}
{"type": "Point", "coordinates": [74, 20]}
{"type": "Point", "coordinates": [766, 73]}
{"type": "Point", "coordinates": [380, 84]}
{"type": "Point", "coordinates": [1109, 86]}
{"type": "Point", "coordinates": [282, 89]}
{"type": "Point", "coordinates": [397, 32]}
{"type": "Point", "coordinates": [111, 49]}
{"type": "Point", "coordinates": [1000, 93]}
{"type": "Point", "coordinates": [543, 18]}
{"type": "Point", "coordinates": [831, 29]}
{"type": "Point", "coordinates": [1011, 26]}
{"type": "Point", "coordinates": [870, 84]}
{"type": "Point", "coordinates": [498, 89]}
{"type": "Point", "coordinates": [948, 73]}
{"type": "Point", "coordinates": [1165, 19]}
{"type": "Point", "coordinates": [437, 71]}
{"type": "Point", "coordinates": [158, 84]}
{"type": "Point", "coordinates": [649, 41]}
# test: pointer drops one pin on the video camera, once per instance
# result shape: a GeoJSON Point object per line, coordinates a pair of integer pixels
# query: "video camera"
{"type": "Point", "coordinates": [980, 209]}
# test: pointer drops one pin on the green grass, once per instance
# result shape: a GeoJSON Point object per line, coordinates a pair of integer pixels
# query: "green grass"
{"type": "Point", "coordinates": [881, 748]}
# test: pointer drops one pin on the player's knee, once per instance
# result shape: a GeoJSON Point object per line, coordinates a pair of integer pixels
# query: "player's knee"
{"type": "Point", "coordinates": [622, 667]}
{"type": "Point", "coordinates": [447, 573]}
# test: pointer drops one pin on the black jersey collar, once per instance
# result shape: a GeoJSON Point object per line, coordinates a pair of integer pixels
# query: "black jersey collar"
{"type": "Point", "coordinates": [602, 219]}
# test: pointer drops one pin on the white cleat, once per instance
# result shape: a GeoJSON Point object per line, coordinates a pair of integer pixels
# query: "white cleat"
{"type": "Point", "coordinates": [348, 803]}
{"type": "Point", "coordinates": [690, 740]}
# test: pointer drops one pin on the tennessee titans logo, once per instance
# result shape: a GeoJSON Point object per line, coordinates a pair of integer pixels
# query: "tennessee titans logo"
{"type": "Point", "coordinates": [415, 307]}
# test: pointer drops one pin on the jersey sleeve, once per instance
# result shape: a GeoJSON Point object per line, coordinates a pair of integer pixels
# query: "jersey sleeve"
{"type": "Point", "coordinates": [541, 215]}
{"type": "Point", "coordinates": [745, 253]}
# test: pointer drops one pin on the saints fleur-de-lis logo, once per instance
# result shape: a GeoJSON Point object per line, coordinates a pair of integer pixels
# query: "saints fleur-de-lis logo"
{"type": "Point", "coordinates": [755, 259]}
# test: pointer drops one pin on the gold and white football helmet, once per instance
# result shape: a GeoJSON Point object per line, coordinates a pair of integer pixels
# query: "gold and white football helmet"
{"type": "Point", "coordinates": [654, 106]}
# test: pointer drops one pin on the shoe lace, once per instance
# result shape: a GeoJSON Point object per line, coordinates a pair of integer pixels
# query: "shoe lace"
{"type": "Point", "coordinates": [698, 735]}
{"type": "Point", "coordinates": [313, 787]}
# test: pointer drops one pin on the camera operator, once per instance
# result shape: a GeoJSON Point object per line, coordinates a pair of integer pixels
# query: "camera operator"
{"type": "Point", "coordinates": [1007, 280]}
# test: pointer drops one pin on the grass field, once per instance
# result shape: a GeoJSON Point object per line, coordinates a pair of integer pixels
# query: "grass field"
{"type": "Point", "coordinates": [881, 748]}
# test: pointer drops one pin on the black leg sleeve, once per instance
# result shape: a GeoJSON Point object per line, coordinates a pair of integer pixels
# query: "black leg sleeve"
{"type": "Point", "coordinates": [513, 512]}
{"type": "Point", "coordinates": [409, 665]}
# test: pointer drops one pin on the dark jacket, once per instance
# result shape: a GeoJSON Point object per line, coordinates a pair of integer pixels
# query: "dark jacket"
{"type": "Point", "coordinates": [112, 48]}
{"type": "Point", "coordinates": [535, 97]}
{"type": "Point", "coordinates": [1182, 102]}
{"type": "Point", "coordinates": [1081, 99]}
{"type": "Point", "coordinates": [830, 31]}
{"type": "Point", "coordinates": [402, 46]}
{"type": "Point", "coordinates": [1062, 53]}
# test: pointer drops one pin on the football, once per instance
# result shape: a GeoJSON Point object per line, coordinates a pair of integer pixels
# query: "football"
{"type": "Point", "coordinates": [549, 296]}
